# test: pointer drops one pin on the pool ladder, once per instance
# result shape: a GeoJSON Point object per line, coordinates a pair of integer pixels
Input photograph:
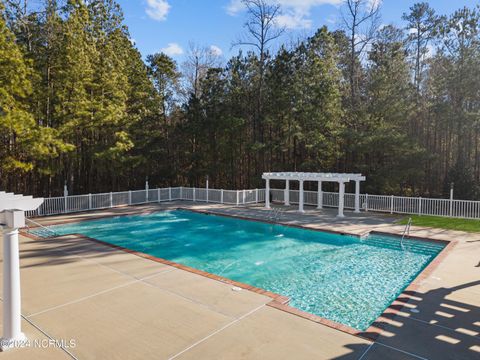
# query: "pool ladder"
{"type": "Point", "coordinates": [406, 232]}
{"type": "Point", "coordinates": [44, 232]}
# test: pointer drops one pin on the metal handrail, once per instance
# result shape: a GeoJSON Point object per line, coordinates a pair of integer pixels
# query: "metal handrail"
{"type": "Point", "coordinates": [406, 232]}
{"type": "Point", "coordinates": [46, 228]}
{"type": "Point", "coordinates": [275, 214]}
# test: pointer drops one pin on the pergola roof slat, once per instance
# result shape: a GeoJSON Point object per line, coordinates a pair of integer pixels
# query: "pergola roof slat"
{"type": "Point", "coordinates": [311, 176]}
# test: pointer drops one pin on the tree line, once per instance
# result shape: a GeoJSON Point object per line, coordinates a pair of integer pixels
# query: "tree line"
{"type": "Point", "coordinates": [79, 105]}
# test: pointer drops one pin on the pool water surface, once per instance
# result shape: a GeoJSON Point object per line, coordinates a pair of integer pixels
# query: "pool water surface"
{"type": "Point", "coordinates": [338, 277]}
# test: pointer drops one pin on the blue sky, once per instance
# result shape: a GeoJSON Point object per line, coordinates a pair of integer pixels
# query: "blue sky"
{"type": "Point", "coordinates": [170, 25]}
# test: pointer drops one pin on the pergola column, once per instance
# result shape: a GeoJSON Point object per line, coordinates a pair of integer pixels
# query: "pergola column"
{"type": "Point", "coordinates": [357, 196]}
{"type": "Point", "coordinates": [267, 194]}
{"type": "Point", "coordinates": [300, 195]}
{"type": "Point", "coordinates": [341, 198]}
{"type": "Point", "coordinates": [287, 192]}
{"type": "Point", "coordinates": [319, 196]}
{"type": "Point", "coordinates": [12, 331]}
{"type": "Point", "coordinates": [12, 218]}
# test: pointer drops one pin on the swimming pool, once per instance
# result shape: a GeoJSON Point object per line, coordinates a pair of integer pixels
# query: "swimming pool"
{"type": "Point", "coordinates": [338, 277]}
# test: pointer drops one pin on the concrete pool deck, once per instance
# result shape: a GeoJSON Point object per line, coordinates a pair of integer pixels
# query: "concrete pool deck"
{"type": "Point", "coordinates": [116, 305]}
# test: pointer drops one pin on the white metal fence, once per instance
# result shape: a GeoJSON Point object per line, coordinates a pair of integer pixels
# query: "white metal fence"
{"type": "Point", "coordinates": [390, 204]}
{"type": "Point", "coordinates": [378, 203]}
{"type": "Point", "coordinates": [77, 203]}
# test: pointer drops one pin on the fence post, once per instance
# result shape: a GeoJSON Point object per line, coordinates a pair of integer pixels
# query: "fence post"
{"type": "Point", "coordinates": [146, 190]}
{"type": "Point", "coordinates": [391, 205]}
{"type": "Point", "coordinates": [129, 197]}
{"type": "Point", "coordinates": [206, 186]}
{"type": "Point", "coordinates": [89, 201]}
{"type": "Point", "coordinates": [451, 201]}
{"type": "Point", "coordinates": [111, 199]}
{"type": "Point", "coordinates": [158, 189]}
{"type": "Point", "coordinates": [420, 206]}
{"type": "Point", "coordinates": [65, 197]}
{"type": "Point", "coordinates": [221, 196]}
{"type": "Point", "coordinates": [169, 194]}
{"type": "Point", "coordinates": [181, 192]}
{"type": "Point", "coordinates": [366, 202]}
{"type": "Point", "coordinates": [238, 196]}
{"type": "Point", "coordinates": [256, 196]}
{"type": "Point", "coordinates": [194, 195]}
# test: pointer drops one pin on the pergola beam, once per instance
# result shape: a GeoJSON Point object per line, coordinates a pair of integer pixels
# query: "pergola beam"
{"type": "Point", "coordinates": [332, 177]}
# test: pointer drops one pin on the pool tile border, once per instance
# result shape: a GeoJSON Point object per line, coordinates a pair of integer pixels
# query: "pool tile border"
{"type": "Point", "coordinates": [281, 302]}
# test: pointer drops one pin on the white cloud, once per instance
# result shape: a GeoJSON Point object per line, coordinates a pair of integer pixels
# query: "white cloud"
{"type": "Point", "coordinates": [173, 49]}
{"type": "Point", "coordinates": [296, 13]}
{"type": "Point", "coordinates": [374, 3]}
{"type": "Point", "coordinates": [332, 19]}
{"type": "Point", "coordinates": [216, 50]}
{"type": "Point", "coordinates": [157, 9]}
{"type": "Point", "coordinates": [235, 7]}
{"type": "Point", "coordinates": [294, 21]}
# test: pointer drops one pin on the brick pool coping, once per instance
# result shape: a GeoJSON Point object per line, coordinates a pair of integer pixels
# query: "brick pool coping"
{"type": "Point", "coordinates": [278, 301]}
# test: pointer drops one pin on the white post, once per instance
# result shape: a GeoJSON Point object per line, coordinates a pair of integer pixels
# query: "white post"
{"type": "Point", "coordinates": [287, 193]}
{"type": "Point", "coordinates": [129, 197]}
{"type": "Point", "coordinates": [12, 320]}
{"type": "Point", "coordinates": [420, 206]}
{"type": "Point", "coordinates": [89, 201]}
{"type": "Point", "coordinates": [194, 195]}
{"type": "Point", "coordinates": [391, 204]}
{"type": "Point", "coordinates": [206, 186]}
{"type": "Point", "coordinates": [267, 193]}
{"type": "Point", "coordinates": [256, 196]}
{"type": "Point", "coordinates": [451, 200]}
{"type": "Point", "coordinates": [65, 196]}
{"type": "Point", "coordinates": [169, 194]}
{"type": "Point", "coordinates": [243, 196]}
{"type": "Point", "coordinates": [146, 191]}
{"type": "Point", "coordinates": [320, 196]}
{"type": "Point", "coordinates": [341, 199]}
{"type": "Point", "coordinates": [300, 202]}
{"type": "Point", "coordinates": [111, 199]}
{"type": "Point", "coordinates": [366, 202]}
{"type": "Point", "coordinates": [238, 198]}
{"type": "Point", "coordinates": [158, 190]}
{"type": "Point", "coordinates": [221, 196]}
{"type": "Point", "coordinates": [357, 196]}
{"type": "Point", "coordinates": [181, 192]}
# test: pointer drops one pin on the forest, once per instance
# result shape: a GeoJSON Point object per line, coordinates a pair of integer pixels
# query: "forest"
{"type": "Point", "coordinates": [79, 104]}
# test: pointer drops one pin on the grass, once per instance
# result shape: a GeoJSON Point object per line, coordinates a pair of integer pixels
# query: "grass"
{"type": "Point", "coordinates": [444, 223]}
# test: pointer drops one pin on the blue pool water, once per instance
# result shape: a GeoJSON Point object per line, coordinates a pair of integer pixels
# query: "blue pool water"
{"type": "Point", "coordinates": [341, 278]}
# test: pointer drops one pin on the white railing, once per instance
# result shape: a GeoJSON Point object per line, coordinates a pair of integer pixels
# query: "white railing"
{"type": "Point", "coordinates": [378, 203]}
{"type": "Point", "coordinates": [468, 209]}
{"type": "Point", "coordinates": [78, 203]}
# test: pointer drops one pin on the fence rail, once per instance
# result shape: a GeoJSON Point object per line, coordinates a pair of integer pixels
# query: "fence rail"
{"type": "Point", "coordinates": [389, 204]}
{"type": "Point", "coordinates": [78, 203]}
{"type": "Point", "coordinates": [378, 203]}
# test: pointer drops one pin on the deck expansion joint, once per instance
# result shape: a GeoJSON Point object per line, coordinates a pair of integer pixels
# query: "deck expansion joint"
{"type": "Point", "coordinates": [216, 332]}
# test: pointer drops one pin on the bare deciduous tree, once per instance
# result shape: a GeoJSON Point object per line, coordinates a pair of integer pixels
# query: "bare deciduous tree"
{"type": "Point", "coordinates": [361, 19]}
{"type": "Point", "coordinates": [261, 26]}
{"type": "Point", "coordinates": [262, 29]}
{"type": "Point", "coordinates": [198, 60]}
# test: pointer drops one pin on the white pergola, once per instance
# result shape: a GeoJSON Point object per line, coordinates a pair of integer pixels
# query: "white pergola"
{"type": "Point", "coordinates": [12, 217]}
{"type": "Point", "coordinates": [341, 179]}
